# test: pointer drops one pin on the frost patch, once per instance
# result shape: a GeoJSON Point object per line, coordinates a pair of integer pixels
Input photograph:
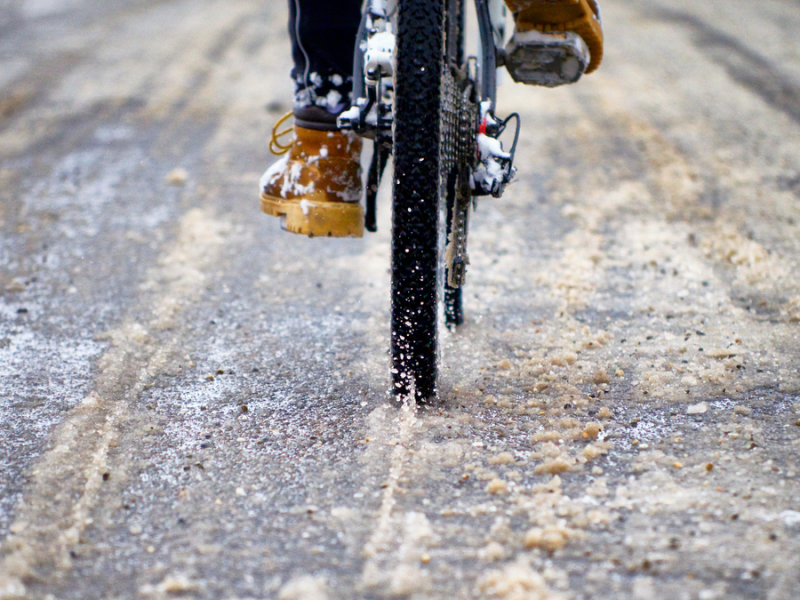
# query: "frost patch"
{"type": "Point", "coordinates": [40, 378]}
{"type": "Point", "coordinates": [790, 518]}
{"type": "Point", "coordinates": [83, 179]}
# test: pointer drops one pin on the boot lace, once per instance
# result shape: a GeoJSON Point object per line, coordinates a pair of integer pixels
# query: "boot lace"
{"type": "Point", "coordinates": [275, 145]}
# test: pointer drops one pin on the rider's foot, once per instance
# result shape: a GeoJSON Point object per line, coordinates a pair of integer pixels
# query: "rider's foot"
{"type": "Point", "coordinates": [555, 41]}
{"type": "Point", "coordinates": [316, 187]}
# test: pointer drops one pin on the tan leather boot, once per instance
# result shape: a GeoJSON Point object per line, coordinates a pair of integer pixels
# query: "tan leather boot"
{"type": "Point", "coordinates": [316, 187]}
{"type": "Point", "coordinates": [560, 16]}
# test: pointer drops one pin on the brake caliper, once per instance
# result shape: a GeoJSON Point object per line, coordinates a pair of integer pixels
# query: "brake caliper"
{"type": "Point", "coordinates": [494, 168]}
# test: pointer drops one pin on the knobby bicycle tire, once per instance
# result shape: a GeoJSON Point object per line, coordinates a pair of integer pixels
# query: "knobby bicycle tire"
{"type": "Point", "coordinates": [421, 162]}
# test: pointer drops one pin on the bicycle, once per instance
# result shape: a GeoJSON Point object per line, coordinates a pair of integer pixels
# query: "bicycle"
{"type": "Point", "coordinates": [420, 99]}
{"type": "Point", "coordinates": [431, 107]}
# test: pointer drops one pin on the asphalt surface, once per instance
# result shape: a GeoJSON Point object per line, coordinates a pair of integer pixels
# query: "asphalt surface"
{"type": "Point", "coordinates": [193, 403]}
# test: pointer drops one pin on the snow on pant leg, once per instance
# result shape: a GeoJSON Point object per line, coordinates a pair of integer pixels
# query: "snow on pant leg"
{"type": "Point", "coordinates": [323, 36]}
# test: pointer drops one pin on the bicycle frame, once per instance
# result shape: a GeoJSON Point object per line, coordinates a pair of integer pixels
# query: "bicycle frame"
{"type": "Point", "coordinates": [371, 113]}
{"type": "Point", "coordinates": [376, 20]}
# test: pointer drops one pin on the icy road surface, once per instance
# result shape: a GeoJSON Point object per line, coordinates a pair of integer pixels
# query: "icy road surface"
{"type": "Point", "coordinates": [192, 402]}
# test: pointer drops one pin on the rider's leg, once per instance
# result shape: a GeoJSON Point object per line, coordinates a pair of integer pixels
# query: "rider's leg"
{"type": "Point", "coordinates": [317, 185]}
{"type": "Point", "coordinates": [553, 38]}
{"type": "Point", "coordinates": [323, 37]}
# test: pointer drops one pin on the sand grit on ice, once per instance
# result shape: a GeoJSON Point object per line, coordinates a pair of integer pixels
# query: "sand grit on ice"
{"type": "Point", "coordinates": [755, 264]}
{"type": "Point", "coordinates": [503, 458]}
{"type": "Point", "coordinates": [549, 539]}
{"type": "Point", "coordinates": [697, 409]}
{"type": "Point", "coordinates": [12, 588]}
{"type": "Point", "coordinates": [793, 310]}
{"type": "Point", "coordinates": [304, 587]}
{"type": "Point", "coordinates": [177, 584]}
{"type": "Point", "coordinates": [492, 552]}
{"type": "Point", "coordinates": [177, 176]}
{"type": "Point", "coordinates": [516, 581]}
{"type": "Point", "coordinates": [406, 578]}
{"type": "Point", "coordinates": [592, 430]}
{"type": "Point", "coordinates": [497, 487]}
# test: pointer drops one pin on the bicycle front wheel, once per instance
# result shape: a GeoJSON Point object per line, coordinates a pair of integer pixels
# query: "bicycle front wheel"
{"type": "Point", "coordinates": [420, 161]}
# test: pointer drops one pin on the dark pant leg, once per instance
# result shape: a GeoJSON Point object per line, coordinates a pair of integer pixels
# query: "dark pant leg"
{"type": "Point", "coordinates": [323, 36]}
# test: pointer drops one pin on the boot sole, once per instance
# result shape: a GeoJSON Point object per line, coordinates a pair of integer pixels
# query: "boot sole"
{"type": "Point", "coordinates": [316, 218]}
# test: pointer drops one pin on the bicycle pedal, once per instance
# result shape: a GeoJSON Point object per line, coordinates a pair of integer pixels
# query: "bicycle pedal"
{"type": "Point", "coordinates": [546, 59]}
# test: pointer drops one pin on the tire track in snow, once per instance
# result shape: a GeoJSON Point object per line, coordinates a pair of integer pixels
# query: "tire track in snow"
{"type": "Point", "coordinates": [394, 540]}
{"type": "Point", "coordinates": [58, 504]}
{"type": "Point", "coordinates": [394, 547]}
